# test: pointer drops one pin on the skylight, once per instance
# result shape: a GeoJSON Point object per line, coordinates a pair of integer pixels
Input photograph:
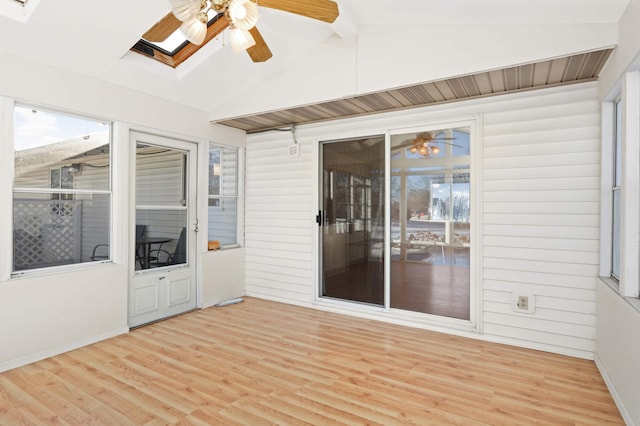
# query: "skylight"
{"type": "Point", "coordinates": [175, 49]}
{"type": "Point", "coordinates": [173, 42]}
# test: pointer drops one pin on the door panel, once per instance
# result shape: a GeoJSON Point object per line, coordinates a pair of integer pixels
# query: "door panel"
{"type": "Point", "coordinates": [352, 220]}
{"type": "Point", "coordinates": [179, 292]}
{"type": "Point", "coordinates": [430, 222]}
{"type": "Point", "coordinates": [163, 281]}
{"type": "Point", "coordinates": [146, 299]}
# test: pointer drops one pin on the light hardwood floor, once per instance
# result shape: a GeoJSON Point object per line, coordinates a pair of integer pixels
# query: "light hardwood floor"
{"type": "Point", "coordinates": [261, 362]}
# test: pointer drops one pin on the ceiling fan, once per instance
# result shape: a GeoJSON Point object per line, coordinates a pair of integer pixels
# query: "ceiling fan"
{"type": "Point", "coordinates": [240, 16]}
{"type": "Point", "coordinates": [425, 144]}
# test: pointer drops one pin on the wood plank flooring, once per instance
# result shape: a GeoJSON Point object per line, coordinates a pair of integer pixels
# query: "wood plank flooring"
{"type": "Point", "coordinates": [260, 362]}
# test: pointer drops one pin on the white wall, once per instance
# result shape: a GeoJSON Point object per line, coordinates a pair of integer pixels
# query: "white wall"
{"type": "Point", "coordinates": [618, 350]}
{"type": "Point", "coordinates": [223, 271]}
{"type": "Point", "coordinates": [42, 315]}
{"type": "Point", "coordinates": [540, 230]}
{"type": "Point", "coordinates": [223, 274]}
{"type": "Point", "coordinates": [618, 331]}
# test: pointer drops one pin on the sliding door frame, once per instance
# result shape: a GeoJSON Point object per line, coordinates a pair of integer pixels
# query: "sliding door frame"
{"type": "Point", "coordinates": [474, 324]}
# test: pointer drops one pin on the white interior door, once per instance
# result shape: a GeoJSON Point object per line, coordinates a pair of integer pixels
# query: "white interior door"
{"type": "Point", "coordinates": [163, 228]}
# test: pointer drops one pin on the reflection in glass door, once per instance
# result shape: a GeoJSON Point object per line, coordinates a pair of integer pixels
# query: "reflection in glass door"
{"type": "Point", "coordinates": [352, 219]}
{"type": "Point", "coordinates": [430, 222]}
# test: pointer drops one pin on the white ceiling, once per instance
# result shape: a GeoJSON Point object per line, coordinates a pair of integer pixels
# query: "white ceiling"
{"type": "Point", "coordinates": [93, 38]}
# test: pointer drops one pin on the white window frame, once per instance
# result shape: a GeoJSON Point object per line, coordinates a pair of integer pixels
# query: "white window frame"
{"type": "Point", "coordinates": [628, 283]}
{"type": "Point", "coordinates": [239, 197]}
{"type": "Point", "coordinates": [73, 191]}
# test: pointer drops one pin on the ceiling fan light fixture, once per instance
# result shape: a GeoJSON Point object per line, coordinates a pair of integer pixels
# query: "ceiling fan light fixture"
{"type": "Point", "coordinates": [195, 30]}
{"type": "Point", "coordinates": [435, 150]}
{"type": "Point", "coordinates": [185, 10]}
{"type": "Point", "coordinates": [424, 151]}
{"type": "Point", "coordinates": [240, 38]}
{"type": "Point", "coordinates": [243, 13]}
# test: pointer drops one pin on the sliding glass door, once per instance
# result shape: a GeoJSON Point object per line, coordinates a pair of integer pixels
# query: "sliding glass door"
{"type": "Point", "coordinates": [352, 219]}
{"type": "Point", "coordinates": [428, 246]}
{"type": "Point", "coordinates": [430, 222]}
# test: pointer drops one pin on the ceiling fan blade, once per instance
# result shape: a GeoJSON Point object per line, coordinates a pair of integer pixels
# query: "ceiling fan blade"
{"type": "Point", "coordinates": [162, 29]}
{"type": "Point", "coordinates": [322, 10]}
{"type": "Point", "coordinates": [259, 52]}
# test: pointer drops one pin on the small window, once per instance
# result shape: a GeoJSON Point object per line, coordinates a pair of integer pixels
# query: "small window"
{"type": "Point", "coordinates": [62, 178]}
{"type": "Point", "coordinates": [223, 194]}
{"type": "Point", "coordinates": [61, 189]}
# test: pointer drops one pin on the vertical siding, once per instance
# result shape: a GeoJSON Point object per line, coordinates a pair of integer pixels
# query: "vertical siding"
{"type": "Point", "coordinates": [540, 212]}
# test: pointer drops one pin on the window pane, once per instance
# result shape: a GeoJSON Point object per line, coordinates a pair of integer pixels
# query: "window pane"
{"type": "Point", "coordinates": [223, 221]}
{"type": "Point", "coordinates": [615, 255]}
{"type": "Point", "coordinates": [59, 160]}
{"type": "Point", "coordinates": [59, 151]}
{"type": "Point", "coordinates": [617, 177]}
{"type": "Point", "coordinates": [460, 144]}
{"type": "Point", "coordinates": [59, 232]}
{"type": "Point", "coordinates": [223, 191]}
{"type": "Point", "coordinates": [164, 242]}
{"type": "Point", "coordinates": [430, 222]}
{"type": "Point", "coordinates": [159, 176]}
{"type": "Point", "coordinates": [214, 171]}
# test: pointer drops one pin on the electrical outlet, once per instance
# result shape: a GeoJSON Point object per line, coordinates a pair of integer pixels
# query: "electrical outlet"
{"type": "Point", "coordinates": [523, 303]}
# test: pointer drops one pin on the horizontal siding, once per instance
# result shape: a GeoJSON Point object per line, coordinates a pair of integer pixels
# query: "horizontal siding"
{"type": "Point", "coordinates": [540, 212]}
{"type": "Point", "coordinates": [159, 179]}
{"type": "Point", "coordinates": [541, 181]}
{"type": "Point", "coordinates": [159, 183]}
{"type": "Point", "coordinates": [278, 222]}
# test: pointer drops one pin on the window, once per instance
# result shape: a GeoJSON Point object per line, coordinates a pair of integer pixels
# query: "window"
{"type": "Point", "coordinates": [62, 178]}
{"type": "Point", "coordinates": [223, 194]}
{"type": "Point", "coordinates": [176, 49]}
{"type": "Point", "coordinates": [616, 193]}
{"type": "Point", "coordinates": [61, 189]}
{"type": "Point", "coordinates": [620, 183]}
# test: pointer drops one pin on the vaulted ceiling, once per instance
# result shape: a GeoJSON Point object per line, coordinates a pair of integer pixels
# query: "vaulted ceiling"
{"type": "Point", "coordinates": [378, 55]}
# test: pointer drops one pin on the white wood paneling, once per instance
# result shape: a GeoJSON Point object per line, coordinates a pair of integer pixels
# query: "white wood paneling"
{"type": "Point", "coordinates": [540, 221]}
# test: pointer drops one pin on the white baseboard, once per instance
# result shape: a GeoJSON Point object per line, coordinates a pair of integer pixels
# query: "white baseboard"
{"type": "Point", "coordinates": [38, 356]}
{"type": "Point", "coordinates": [612, 390]}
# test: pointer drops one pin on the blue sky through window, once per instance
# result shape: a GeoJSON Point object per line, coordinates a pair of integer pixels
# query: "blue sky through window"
{"type": "Point", "coordinates": [33, 128]}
